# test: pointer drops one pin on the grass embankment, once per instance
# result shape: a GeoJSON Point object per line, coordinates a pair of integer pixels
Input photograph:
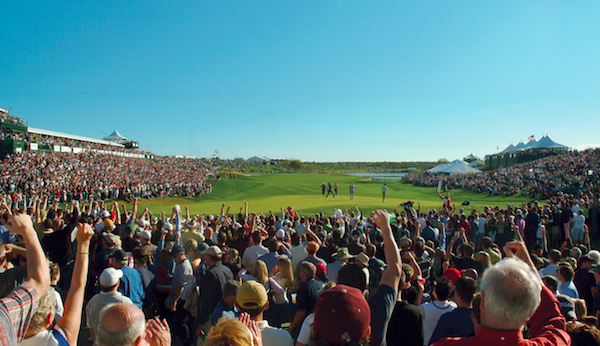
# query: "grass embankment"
{"type": "Point", "coordinates": [266, 192]}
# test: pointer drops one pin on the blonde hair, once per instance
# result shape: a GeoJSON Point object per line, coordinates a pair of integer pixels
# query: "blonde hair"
{"type": "Point", "coordinates": [285, 271]}
{"type": "Point", "coordinates": [260, 272]}
{"type": "Point", "coordinates": [47, 305]}
{"type": "Point", "coordinates": [229, 332]}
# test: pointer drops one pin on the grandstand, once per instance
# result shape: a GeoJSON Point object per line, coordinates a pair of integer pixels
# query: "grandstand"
{"type": "Point", "coordinates": [16, 136]}
{"type": "Point", "coordinates": [522, 152]}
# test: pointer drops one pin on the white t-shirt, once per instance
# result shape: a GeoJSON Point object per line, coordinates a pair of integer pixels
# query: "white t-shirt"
{"type": "Point", "coordinates": [43, 338]}
{"type": "Point", "coordinates": [304, 335]}
{"type": "Point", "coordinates": [431, 314]}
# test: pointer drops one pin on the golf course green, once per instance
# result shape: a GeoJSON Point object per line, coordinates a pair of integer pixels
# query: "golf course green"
{"type": "Point", "coordinates": [302, 191]}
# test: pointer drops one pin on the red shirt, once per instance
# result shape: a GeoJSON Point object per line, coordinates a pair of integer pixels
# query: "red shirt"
{"type": "Point", "coordinates": [547, 327]}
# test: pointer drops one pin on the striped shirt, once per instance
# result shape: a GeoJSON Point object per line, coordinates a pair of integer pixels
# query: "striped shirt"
{"type": "Point", "coordinates": [16, 312]}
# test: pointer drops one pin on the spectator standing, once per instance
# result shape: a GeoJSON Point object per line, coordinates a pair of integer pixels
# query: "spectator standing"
{"type": "Point", "coordinates": [18, 308]}
{"type": "Point", "coordinates": [457, 323]}
{"type": "Point", "coordinates": [131, 284]}
{"type": "Point", "coordinates": [109, 282]}
{"type": "Point", "coordinates": [512, 294]}
{"type": "Point", "coordinates": [211, 291]}
{"type": "Point", "coordinates": [252, 299]}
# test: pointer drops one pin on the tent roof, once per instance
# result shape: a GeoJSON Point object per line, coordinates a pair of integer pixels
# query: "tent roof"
{"type": "Point", "coordinates": [115, 136]}
{"type": "Point", "coordinates": [454, 167]}
{"type": "Point", "coordinates": [438, 168]}
{"type": "Point", "coordinates": [547, 142]}
{"type": "Point", "coordinates": [521, 145]}
{"type": "Point", "coordinates": [509, 148]}
{"type": "Point", "coordinates": [531, 144]}
{"type": "Point", "coordinates": [75, 137]}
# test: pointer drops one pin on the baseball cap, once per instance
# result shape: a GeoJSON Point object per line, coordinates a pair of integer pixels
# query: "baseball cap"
{"type": "Point", "coordinates": [585, 258]}
{"type": "Point", "coordinates": [168, 227]}
{"type": "Point", "coordinates": [109, 277]}
{"type": "Point", "coordinates": [312, 246]}
{"type": "Point", "coordinates": [120, 255]}
{"type": "Point", "coordinates": [202, 246]}
{"type": "Point", "coordinates": [321, 269]}
{"type": "Point", "coordinates": [252, 295]}
{"type": "Point", "coordinates": [280, 233]}
{"type": "Point", "coordinates": [452, 274]}
{"type": "Point", "coordinates": [145, 234]}
{"type": "Point", "coordinates": [594, 255]}
{"type": "Point", "coordinates": [111, 239]}
{"type": "Point", "coordinates": [104, 213]}
{"type": "Point", "coordinates": [212, 251]}
{"type": "Point", "coordinates": [177, 249]}
{"type": "Point", "coordinates": [342, 315]}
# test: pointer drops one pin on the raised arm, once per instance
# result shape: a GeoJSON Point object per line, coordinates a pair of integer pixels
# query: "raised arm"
{"type": "Point", "coordinates": [7, 208]}
{"type": "Point", "coordinates": [135, 208]}
{"type": "Point", "coordinates": [37, 265]}
{"type": "Point", "coordinates": [391, 276]}
{"type": "Point", "coordinates": [70, 323]}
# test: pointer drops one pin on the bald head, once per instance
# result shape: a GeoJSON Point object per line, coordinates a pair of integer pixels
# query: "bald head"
{"type": "Point", "coordinates": [121, 325]}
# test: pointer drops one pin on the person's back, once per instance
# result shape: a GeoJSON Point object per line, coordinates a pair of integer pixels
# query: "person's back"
{"type": "Point", "coordinates": [434, 310]}
{"type": "Point", "coordinates": [405, 326]}
{"type": "Point", "coordinates": [458, 322]}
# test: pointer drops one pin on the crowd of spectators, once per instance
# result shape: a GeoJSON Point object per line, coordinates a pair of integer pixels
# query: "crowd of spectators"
{"type": "Point", "coordinates": [101, 176]}
{"type": "Point", "coordinates": [574, 172]}
{"type": "Point", "coordinates": [405, 277]}
{"type": "Point", "coordinates": [7, 118]}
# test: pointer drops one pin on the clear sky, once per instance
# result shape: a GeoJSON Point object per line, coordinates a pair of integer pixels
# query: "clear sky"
{"type": "Point", "coordinates": [309, 80]}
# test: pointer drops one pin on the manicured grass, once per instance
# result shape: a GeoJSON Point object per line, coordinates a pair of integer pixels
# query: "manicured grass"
{"type": "Point", "coordinates": [302, 191]}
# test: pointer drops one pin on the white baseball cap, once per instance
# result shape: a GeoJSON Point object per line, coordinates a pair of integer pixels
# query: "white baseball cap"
{"type": "Point", "coordinates": [110, 276]}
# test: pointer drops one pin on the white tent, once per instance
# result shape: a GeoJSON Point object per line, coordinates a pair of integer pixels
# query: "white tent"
{"type": "Point", "coordinates": [531, 144]}
{"type": "Point", "coordinates": [547, 142]}
{"type": "Point", "coordinates": [454, 167]}
{"type": "Point", "coordinates": [521, 145]}
{"type": "Point", "coordinates": [509, 148]}
{"type": "Point", "coordinates": [116, 137]}
{"type": "Point", "coordinates": [439, 168]}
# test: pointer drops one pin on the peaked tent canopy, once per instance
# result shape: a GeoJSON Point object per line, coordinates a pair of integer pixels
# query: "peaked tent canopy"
{"type": "Point", "coordinates": [116, 137]}
{"type": "Point", "coordinates": [454, 167]}
{"type": "Point", "coordinates": [509, 148]}
{"type": "Point", "coordinates": [521, 145]}
{"type": "Point", "coordinates": [547, 142]}
{"type": "Point", "coordinates": [531, 144]}
{"type": "Point", "coordinates": [438, 168]}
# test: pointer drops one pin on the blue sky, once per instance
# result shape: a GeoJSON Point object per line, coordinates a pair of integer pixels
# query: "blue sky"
{"type": "Point", "coordinates": [310, 80]}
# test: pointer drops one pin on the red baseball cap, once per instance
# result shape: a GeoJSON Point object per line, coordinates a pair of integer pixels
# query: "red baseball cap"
{"type": "Point", "coordinates": [342, 315]}
{"type": "Point", "coordinates": [452, 274]}
{"type": "Point", "coordinates": [321, 269]}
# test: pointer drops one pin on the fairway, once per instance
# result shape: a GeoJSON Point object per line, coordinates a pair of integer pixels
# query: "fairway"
{"type": "Point", "coordinates": [302, 191]}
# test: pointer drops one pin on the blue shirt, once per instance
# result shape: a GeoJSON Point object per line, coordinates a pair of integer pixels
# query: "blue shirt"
{"type": "Point", "coordinates": [456, 323]}
{"type": "Point", "coordinates": [569, 290]}
{"type": "Point", "coordinates": [223, 310]}
{"type": "Point", "coordinates": [131, 286]}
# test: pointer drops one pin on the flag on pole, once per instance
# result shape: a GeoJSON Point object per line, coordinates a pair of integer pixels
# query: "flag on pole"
{"type": "Point", "coordinates": [530, 138]}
